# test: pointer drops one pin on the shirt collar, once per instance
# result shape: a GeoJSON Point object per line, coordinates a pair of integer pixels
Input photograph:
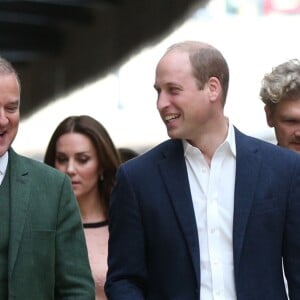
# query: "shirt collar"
{"type": "Point", "coordinates": [230, 141]}
{"type": "Point", "coordinates": [3, 163]}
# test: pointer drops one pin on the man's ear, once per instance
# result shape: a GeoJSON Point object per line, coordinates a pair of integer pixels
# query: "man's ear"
{"type": "Point", "coordinates": [215, 89]}
{"type": "Point", "coordinates": [269, 116]}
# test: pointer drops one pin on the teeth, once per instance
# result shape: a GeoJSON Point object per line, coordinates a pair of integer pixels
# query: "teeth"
{"type": "Point", "coordinates": [171, 117]}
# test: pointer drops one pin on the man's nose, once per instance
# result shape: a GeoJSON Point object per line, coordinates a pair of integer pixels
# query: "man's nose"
{"type": "Point", "coordinates": [297, 131]}
{"type": "Point", "coordinates": [162, 101]}
{"type": "Point", "coordinates": [3, 118]}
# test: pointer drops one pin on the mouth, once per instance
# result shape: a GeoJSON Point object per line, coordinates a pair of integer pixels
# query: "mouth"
{"type": "Point", "coordinates": [171, 117]}
{"type": "Point", "coordinates": [296, 144]}
{"type": "Point", "coordinates": [75, 182]}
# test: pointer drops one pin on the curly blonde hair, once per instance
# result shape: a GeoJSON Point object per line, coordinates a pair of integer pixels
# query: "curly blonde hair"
{"type": "Point", "coordinates": [283, 83]}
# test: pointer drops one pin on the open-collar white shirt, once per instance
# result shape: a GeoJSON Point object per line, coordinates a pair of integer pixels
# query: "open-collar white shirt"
{"type": "Point", "coordinates": [212, 190]}
{"type": "Point", "coordinates": [3, 165]}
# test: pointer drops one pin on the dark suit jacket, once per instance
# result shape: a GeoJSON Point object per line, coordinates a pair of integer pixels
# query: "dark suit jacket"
{"type": "Point", "coordinates": [153, 246]}
{"type": "Point", "coordinates": [47, 257]}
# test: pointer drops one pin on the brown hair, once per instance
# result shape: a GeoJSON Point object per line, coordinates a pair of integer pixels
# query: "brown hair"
{"type": "Point", "coordinates": [206, 62]}
{"type": "Point", "coordinates": [108, 155]}
{"type": "Point", "coordinates": [283, 83]}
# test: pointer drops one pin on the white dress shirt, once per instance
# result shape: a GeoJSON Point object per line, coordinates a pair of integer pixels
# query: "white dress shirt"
{"type": "Point", "coordinates": [212, 190]}
{"type": "Point", "coordinates": [3, 165]}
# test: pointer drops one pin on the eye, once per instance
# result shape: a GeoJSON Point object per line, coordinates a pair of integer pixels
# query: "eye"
{"type": "Point", "coordinates": [12, 108]}
{"type": "Point", "coordinates": [61, 158]}
{"type": "Point", "coordinates": [83, 159]}
{"type": "Point", "coordinates": [174, 90]}
{"type": "Point", "coordinates": [291, 121]}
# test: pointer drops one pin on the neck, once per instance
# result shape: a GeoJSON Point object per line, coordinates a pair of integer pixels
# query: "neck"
{"type": "Point", "coordinates": [209, 140]}
{"type": "Point", "coordinates": [91, 209]}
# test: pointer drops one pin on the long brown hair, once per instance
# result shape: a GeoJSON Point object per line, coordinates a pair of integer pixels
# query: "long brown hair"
{"type": "Point", "coordinates": [108, 155]}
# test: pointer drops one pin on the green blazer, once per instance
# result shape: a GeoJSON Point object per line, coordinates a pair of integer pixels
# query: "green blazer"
{"type": "Point", "coordinates": [47, 257]}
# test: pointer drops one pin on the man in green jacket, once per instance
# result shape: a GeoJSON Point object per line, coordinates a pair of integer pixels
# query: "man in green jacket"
{"type": "Point", "coordinates": [43, 253]}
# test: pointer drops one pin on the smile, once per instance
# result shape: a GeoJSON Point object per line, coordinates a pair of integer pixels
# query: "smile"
{"type": "Point", "coordinates": [171, 117]}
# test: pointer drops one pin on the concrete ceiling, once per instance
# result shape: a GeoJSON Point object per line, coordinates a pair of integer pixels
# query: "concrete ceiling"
{"type": "Point", "coordinates": [57, 45]}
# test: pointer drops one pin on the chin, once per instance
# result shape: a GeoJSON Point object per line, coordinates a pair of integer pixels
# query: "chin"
{"type": "Point", "coordinates": [296, 149]}
{"type": "Point", "coordinates": [3, 150]}
{"type": "Point", "coordinates": [173, 134]}
{"type": "Point", "coordinates": [293, 147]}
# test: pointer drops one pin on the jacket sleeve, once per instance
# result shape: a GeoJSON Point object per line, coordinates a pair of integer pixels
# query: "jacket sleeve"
{"type": "Point", "coordinates": [126, 259]}
{"type": "Point", "coordinates": [291, 243]}
{"type": "Point", "coordinates": [73, 278]}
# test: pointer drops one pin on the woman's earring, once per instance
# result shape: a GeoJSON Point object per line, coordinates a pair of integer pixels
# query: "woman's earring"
{"type": "Point", "coordinates": [101, 178]}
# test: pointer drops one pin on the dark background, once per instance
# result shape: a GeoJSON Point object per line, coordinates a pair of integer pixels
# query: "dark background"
{"type": "Point", "coordinates": [58, 45]}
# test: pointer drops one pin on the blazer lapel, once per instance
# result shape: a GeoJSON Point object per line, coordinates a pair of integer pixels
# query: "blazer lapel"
{"type": "Point", "coordinates": [248, 162]}
{"type": "Point", "coordinates": [19, 192]}
{"type": "Point", "coordinates": [174, 173]}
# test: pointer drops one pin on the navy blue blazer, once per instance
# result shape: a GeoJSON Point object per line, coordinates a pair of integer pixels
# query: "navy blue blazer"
{"type": "Point", "coordinates": [153, 244]}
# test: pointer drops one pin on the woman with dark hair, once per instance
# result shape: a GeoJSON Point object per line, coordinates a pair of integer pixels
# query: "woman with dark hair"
{"type": "Point", "coordinates": [82, 148]}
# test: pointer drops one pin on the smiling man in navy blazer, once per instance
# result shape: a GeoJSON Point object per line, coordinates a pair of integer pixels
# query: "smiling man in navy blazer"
{"type": "Point", "coordinates": [210, 213]}
{"type": "Point", "coordinates": [43, 254]}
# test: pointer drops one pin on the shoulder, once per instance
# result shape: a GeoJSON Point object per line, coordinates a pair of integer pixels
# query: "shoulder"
{"type": "Point", "coordinates": [41, 171]}
{"type": "Point", "coordinates": [163, 149]}
{"type": "Point", "coordinates": [148, 165]}
{"type": "Point", "coordinates": [157, 153]}
{"type": "Point", "coordinates": [269, 151]}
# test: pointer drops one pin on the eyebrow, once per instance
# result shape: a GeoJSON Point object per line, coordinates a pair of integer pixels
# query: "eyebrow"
{"type": "Point", "coordinates": [14, 102]}
{"type": "Point", "coordinates": [168, 84]}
